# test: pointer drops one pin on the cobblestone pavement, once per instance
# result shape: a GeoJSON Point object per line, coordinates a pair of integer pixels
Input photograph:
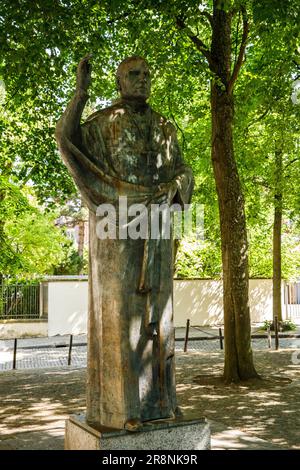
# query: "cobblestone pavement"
{"type": "Point", "coordinates": [49, 352]}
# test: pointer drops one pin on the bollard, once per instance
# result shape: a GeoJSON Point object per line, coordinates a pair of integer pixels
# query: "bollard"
{"type": "Point", "coordinates": [269, 337]}
{"type": "Point", "coordinates": [276, 332]}
{"type": "Point", "coordinates": [186, 335]}
{"type": "Point", "coordinates": [221, 338]}
{"type": "Point", "coordinates": [15, 354]}
{"type": "Point", "coordinates": [70, 350]}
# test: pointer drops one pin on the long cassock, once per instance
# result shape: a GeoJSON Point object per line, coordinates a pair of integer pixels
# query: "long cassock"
{"type": "Point", "coordinates": [127, 150]}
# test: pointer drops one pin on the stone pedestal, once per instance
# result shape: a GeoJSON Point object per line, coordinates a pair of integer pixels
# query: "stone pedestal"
{"type": "Point", "coordinates": [178, 434]}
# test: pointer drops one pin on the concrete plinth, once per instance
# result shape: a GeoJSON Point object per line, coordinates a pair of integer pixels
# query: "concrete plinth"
{"type": "Point", "coordinates": [178, 434]}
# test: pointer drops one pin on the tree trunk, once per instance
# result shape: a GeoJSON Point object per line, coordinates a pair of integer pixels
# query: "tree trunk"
{"type": "Point", "coordinates": [2, 233]}
{"type": "Point", "coordinates": [81, 219]}
{"type": "Point", "coordinates": [81, 231]}
{"type": "Point", "coordinates": [237, 328]}
{"type": "Point", "coordinates": [277, 234]}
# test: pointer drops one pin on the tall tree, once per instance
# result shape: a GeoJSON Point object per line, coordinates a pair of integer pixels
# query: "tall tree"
{"type": "Point", "coordinates": [237, 330]}
{"type": "Point", "coordinates": [277, 232]}
{"type": "Point", "coordinates": [271, 120]}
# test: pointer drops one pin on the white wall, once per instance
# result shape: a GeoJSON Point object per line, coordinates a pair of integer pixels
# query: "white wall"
{"type": "Point", "coordinates": [261, 299]}
{"type": "Point", "coordinates": [23, 329]}
{"type": "Point", "coordinates": [67, 307]}
{"type": "Point", "coordinates": [199, 300]}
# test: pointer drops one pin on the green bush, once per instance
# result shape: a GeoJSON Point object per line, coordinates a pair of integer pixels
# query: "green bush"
{"type": "Point", "coordinates": [72, 264]}
{"type": "Point", "coordinates": [285, 325]}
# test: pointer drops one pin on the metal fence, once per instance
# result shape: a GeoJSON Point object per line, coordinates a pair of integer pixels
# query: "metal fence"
{"type": "Point", "coordinates": [19, 301]}
{"type": "Point", "coordinates": [208, 341]}
{"type": "Point", "coordinates": [63, 351]}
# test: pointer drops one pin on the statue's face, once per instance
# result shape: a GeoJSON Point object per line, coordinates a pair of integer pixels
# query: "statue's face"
{"type": "Point", "coordinates": [135, 80]}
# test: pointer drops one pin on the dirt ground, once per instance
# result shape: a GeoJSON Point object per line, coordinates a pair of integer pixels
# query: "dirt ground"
{"type": "Point", "coordinates": [260, 414]}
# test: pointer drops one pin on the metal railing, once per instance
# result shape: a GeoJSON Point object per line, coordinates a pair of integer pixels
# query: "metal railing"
{"type": "Point", "coordinates": [41, 355]}
{"type": "Point", "coordinates": [207, 338]}
{"type": "Point", "coordinates": [19, 301]}
{"type": "Point", "coordinates": [23, 354]}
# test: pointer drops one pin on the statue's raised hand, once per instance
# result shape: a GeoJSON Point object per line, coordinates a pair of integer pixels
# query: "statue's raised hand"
{"type": "Point", "coordinates": [83, 75]}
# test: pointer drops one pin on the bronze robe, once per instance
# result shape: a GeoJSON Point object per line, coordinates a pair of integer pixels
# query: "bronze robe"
{"type": "Point", "coordinates": [123, 151]}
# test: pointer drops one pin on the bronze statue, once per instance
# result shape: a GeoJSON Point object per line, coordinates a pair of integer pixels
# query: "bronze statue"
{"type": "Point", "coordinates": [129, 150]}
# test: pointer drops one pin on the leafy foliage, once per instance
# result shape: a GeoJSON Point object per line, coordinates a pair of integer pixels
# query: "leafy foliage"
{"type": "Point", "coordinates": [286, 325]}
{"type": "Point", "coordinates": [30, 242]}
{"type": "Point", "coordinates": [41, 43]}
{"type": "Point", "coordinates": [72, 263]}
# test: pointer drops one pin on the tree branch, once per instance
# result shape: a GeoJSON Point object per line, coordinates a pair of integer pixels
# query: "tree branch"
{"type": "Point", "coordinates": [261, 182]}
{"type": "Point", "coordinates": [197, 41]}
{"type": "Point", "coordinates": [125, 14]}
{"type": "Point", "coordinates": [236, 39]}
{"type": "Point", "coordinates": [259, 118]}
{"type": "Point", "coordinates": [290, 163]}
{"type": "Point", "coordinates": [239, 61]}
{"type": "Point", "coordinates": [208, 16]}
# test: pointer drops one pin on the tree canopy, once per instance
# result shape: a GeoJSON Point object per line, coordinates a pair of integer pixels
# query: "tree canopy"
{"type": "Point", "coordinates": [41, 44]}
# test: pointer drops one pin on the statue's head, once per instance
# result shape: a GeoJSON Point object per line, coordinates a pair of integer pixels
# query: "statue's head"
{"type": "Point", "coordinates": [133, 78]}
